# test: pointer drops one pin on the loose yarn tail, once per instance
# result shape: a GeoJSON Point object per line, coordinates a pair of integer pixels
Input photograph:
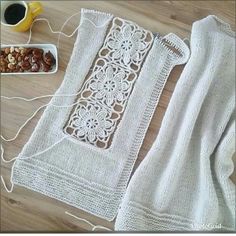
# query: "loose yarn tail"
{"type": "Point", "coordinates": [9, 190]}
{"type": "Point", "coordinates": [94, 227]}
{"type": "Point", "coordinates": [2, 156]}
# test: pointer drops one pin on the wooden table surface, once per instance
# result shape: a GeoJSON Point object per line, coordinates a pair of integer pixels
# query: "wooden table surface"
{"type": "Point", "coordinates": [25, 210]}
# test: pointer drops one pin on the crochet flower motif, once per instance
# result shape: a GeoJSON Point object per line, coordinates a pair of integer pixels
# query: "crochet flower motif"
{"type": "Point", "coordinates": [91, 124]}
{"type": "Point", "coordinates": [110, 86]}
{"type": "Point", "coordinates": [126, 44]}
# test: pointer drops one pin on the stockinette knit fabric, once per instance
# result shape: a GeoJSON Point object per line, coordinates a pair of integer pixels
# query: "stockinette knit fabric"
{"type": "Point", "coordinates": [83, 154]}
{"type": "Point", "coordinates": [184, 181]}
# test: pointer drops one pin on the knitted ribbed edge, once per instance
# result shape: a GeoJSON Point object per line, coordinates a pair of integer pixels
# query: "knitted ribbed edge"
{"type": "Point", "coordinates": [80, 193]}
{"type": "Point", "coordinates": [140, 218]}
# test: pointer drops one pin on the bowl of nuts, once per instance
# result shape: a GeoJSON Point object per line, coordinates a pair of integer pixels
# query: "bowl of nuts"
{"type": "Point", "coordinates": [28, 59]}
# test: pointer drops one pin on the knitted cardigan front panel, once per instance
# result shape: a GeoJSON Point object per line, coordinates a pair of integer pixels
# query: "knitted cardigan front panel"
{"type": "Point", "coordinates": [184, 181]}
{"type": "Point", "coordinates": [84, 155]}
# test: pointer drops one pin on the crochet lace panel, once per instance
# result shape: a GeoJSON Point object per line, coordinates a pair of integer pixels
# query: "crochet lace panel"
{"type": "Point", "coordinates": [105, 93]}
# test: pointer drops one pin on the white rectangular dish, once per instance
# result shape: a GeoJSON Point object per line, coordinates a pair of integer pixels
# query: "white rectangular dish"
{"type": "Point", "coordinates": [46, 47]}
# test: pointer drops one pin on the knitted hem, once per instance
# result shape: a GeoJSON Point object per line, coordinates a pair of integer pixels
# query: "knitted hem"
{"type": "Point", "coordinates": [135, 217]}
{"type": "Point", "coordinates": [78, 192]}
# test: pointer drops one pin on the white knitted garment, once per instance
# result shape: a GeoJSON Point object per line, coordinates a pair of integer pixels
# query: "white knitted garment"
{"type": "Point", "coordinates": [183, 183]}
{"type": "Point", "coordinates": [83, 155]}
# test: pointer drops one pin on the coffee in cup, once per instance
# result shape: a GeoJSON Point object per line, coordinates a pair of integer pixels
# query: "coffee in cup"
{"type": "Point", "coordinates": [19, 15]}
{"type": "Point", "coordinates": [14, 13]}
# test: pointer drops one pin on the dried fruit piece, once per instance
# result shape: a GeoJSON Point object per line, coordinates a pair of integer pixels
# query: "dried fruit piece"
{"type": "Point", "coordinates": [26, 58]}
{"type": "Point", "coordinates": [25, 65]}
{"type": "Point", "coordinates": [45, 67]}
{"type": "Point", "coordinates": [28, 51]}
{"type": "Point", "coordinates": [35, 67]}
{"type": "Point", "coordinates": [49, 58]}
{"type": "Point", "coordinates": [35, 59]}
{"type": "Point", "coordinates": [37, 53]}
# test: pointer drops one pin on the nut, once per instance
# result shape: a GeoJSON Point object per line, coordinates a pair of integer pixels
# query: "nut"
{"type": "Point", "coordinates": [17, 50]}
{"type": "Point", "coordinates": [12, 60]}
{"type": "Point", "coordinates": [11, 66]}
{"type": "Point", "coordinates": [12, 49]}
{"type": "Point", "coordinates": [7, 50]}
{"type": "Point", "coordinates": [19, 58]}
{"type": "Point", "coordinates": [3, 69]}
{"type": "Point", "coordinates": [2, 61]}
{"type": "Point", "coordinates": [3, 53]}
{"type": "Point", "coordinates": [9, 56]}
{"type": "Point", "coordinates": [22, 52]}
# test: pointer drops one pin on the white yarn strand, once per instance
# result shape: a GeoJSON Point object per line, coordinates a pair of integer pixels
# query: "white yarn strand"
{"type": "Point", "coordinates": [94, 227]}
{"type": "Point", "coordinates": [9, 190]}
{"type": "Point", "coordinates": [5, 186]}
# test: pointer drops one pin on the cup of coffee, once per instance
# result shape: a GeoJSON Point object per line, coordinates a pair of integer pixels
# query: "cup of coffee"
{"type": "Point", "coordinates": [19, 15]}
